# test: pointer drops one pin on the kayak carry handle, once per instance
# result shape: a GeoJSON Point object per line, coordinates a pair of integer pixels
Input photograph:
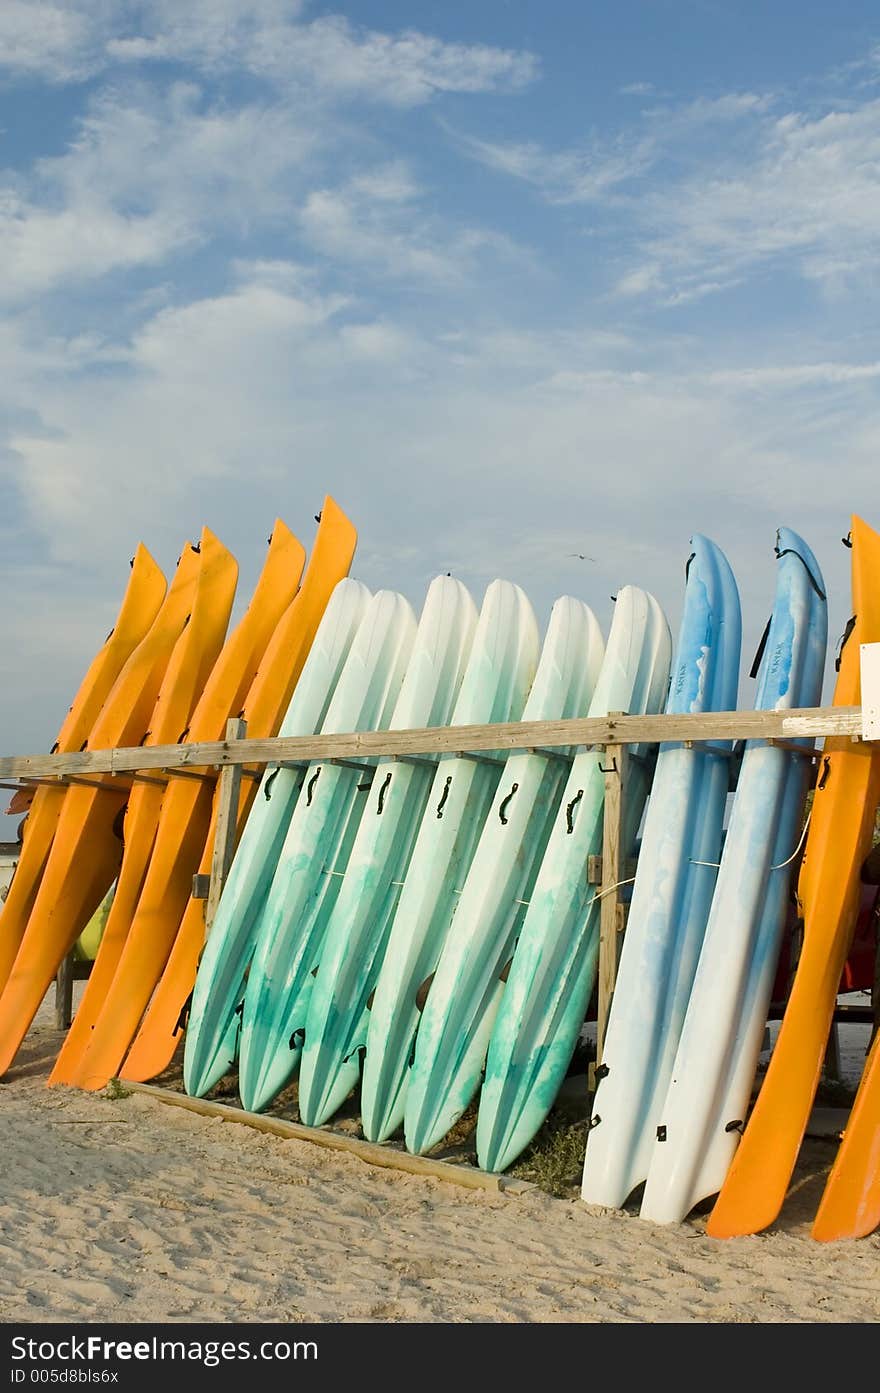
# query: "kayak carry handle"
{"type": "Point", "coordinates": [504, 803]}
{"type": "Point", "coordinates": [444, 796]}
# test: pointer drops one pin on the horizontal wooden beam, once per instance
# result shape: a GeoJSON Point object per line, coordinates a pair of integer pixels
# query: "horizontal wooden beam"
{"type": "Point", "coordinates": [809, 723]}
{"type": "Point", "coordinates": [372, 1153]}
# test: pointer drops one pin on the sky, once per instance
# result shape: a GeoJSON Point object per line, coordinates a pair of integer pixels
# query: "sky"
{"type": "Point", "coordinates": [532, 290]}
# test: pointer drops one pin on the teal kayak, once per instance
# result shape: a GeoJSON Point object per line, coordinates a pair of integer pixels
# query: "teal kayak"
{"type": "Point", "coordinates": [553, 968]}
{"type": "Point", "coordinates": [499, 674]}
{"type": "Point", "coordinates": [215, 1011]}
{"type": "Point", "coordinates": [315, 851]}
{"type": "Point", "coordinates": [336, 1018]}
{"type": "Point", "coordinates": [453, 1031]}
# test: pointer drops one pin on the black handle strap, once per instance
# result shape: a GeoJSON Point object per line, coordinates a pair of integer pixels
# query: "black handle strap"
{"type": "Point", "coordinates": [850, 625]}
{"type": "Point", "coordinates": [753, 672]}
{"type": "Point", "coordinates": [790, 551]}
{"type": "Point", "coordinates": [383, 790]}
{"type": "Point", "coordinates": [502, 811]}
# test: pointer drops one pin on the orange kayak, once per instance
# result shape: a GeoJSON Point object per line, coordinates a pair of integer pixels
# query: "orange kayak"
{"type": "Point", "coordinates": [182, 827]}
{"type": "Point", "coordinates": [850, 1204]}
{"type": "Point", "coordinates": [85, 853]}
{"type": "Point", "coordinates": [140, 605]}
{"type": "Point", "coordinates": [839, 838]}
{"type": "Point", "coordinates": [194, 655]}
{"type": "Point", "coordinates": [162, 1029]}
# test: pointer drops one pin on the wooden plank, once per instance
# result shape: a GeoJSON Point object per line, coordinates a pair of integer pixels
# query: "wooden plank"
{"type": "Point", "coordinates": [21, 785]}
{"type": "Point", "coordinates": [228, 792]}
{"type": "Point", "coordinates": [610, 905]}
{"type": "Point", "coordinates": [811, 722]}
{"type": "Point", "coordinates": [371, 1153]}
{"type": "Point", "coordinates": [115, 785]}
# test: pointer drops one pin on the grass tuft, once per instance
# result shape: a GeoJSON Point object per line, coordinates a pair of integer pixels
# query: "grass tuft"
{"type": "Point", "coordinates": [555, 1159]}
{"type": "Point", "coordinates": [116, 1089]}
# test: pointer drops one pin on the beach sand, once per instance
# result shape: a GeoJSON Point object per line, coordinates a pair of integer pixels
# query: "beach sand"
{"type": "Point", "coordinates": [124, 1209]}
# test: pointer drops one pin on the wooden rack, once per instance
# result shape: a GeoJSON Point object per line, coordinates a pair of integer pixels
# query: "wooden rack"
{"type": "Point", "coordinates": [238, 757]}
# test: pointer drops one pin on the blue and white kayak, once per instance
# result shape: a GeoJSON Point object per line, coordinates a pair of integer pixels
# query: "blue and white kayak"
{"type": "Point", "coordinates": [453, 1033]}
{"type": "Point", "coordinates": [714, 1068]}
{"type": "Point", "coordinates": [674, 883]}
{"type": "Point", "coordinates": [499, 674]}
{"type": "Point", "coordinates": [551, 976]}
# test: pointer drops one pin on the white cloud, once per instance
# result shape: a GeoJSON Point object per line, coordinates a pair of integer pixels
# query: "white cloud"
{"type": "Point", "coordinates": [598, 170]}
{"type": "Point", "coordinates": [178, 401]}
{"type": "Point", "coordinates": [57, 42]}
{"type": "Point", "coordinates": [374, 220]}
{"type": "Point", "coordinates": [229, 409]}
{"type": "Point", "coordinates": [271, 39]}
{"type": "Point", "coordinates": [40, 248]}
{"type": "Point", "coordinates": [145, 176]}
{"type": "Point", "coordinates": [806, 197]}
{"type": "Point", "coordinates": [568, 176]}
{"type": "Point", "coordinates": [706, 112]}
{"type": "Point", "coordinates": [138, 146]}
{"type": "Point", "coordinates": [641, 280]}
{"type": "Point", "coordinates": [798, 190]}
{"type": "Point", "coordinates": [150, 175]}
{"type": "Point", "coordinates": [380, 342]}
{"type": "Point", "coordinates": [404, 69]}
{"type": "Point", "coordinates": [796, 375]}
{"type": "Point", "coordinates": [210, 34]}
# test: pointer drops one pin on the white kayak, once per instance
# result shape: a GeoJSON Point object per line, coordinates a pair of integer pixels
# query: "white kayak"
{"type": "Point", "coordinates": [714, 1068]}
{"type": "Point", "coordinates": [675, 879]}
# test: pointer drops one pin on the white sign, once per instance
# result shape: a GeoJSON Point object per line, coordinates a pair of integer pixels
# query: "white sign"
{"type": "Point", "coordinates": [870, 674]}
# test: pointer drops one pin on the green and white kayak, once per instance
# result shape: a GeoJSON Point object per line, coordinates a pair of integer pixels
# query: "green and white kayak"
{"type": "Point", "coordinates": [315, 852]}
{"type": "Point", "coordinates": [499, 674]}
{"type": "Point", "coordinates": [454, 1030]}
{"type": "Point", "coordinates": [336, 1019]}
{"type": "Point", "coordinates": [215, 1012]}
{"type": "Point", "coordinates": [553, 970]}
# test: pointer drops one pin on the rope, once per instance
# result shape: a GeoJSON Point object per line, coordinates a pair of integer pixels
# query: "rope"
{"type": "Point", "coordinates": [798, 847]}
{"type": "Point", "coordinates": [782, 864]}
{"type": "Point", "coordinates": [609, 888]}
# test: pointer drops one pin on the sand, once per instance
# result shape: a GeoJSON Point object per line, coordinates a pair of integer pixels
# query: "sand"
{"type": "Point", "coordinates": [125, 1209]}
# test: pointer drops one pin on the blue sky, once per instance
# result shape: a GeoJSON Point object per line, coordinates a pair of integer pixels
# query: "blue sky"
{"type": "Point", "coordinates": [514, 282]}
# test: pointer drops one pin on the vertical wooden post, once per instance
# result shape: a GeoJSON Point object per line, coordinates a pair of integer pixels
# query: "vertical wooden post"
{"type": "Point", "coordinates": [875, 989]}
{"type": "Point", "coordinates": [611, 909]}
{"type": "Point", "coordinates": [831, 1062]}
{"type": "Point", "coordinates": [64, 994]}
{"type": "Point", "coordinates": [228, 790]}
